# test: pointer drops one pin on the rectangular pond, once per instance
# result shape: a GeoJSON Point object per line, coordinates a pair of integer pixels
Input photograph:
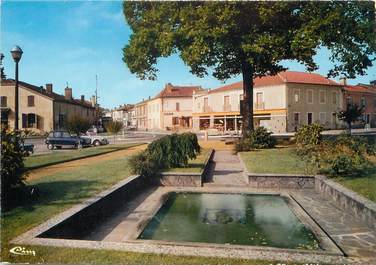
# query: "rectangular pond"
{"type": "Point", "coordinates": [241, 219]}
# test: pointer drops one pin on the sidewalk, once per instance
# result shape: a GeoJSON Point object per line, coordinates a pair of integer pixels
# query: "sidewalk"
{"type": "Point", "coordinates": [226, 170]}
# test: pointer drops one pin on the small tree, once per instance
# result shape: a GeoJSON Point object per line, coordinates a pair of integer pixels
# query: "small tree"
{"type": "Point", "coordinates": [12, 164]}
{"type": "Point", "coordinates": [351, 114]}
{"type": "Point", "coordinates": [114, 127]}
{"type": "Point", "coordinates": [78, 125]}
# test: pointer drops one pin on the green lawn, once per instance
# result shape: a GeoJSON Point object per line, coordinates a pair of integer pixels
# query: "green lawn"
{"type": "Point", "coordinates": [285, 160]}
{"type": "Point", "coordinates": [60, 156]}
{"type": "Point", "coordinates": [195, 165]}
{"type": "Point", "coordinates": [365, 185]}
{"type": "Point", "coordinates": [278, 160]}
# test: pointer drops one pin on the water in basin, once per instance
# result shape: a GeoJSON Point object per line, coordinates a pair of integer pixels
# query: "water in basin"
{"type": "Point", "coordinates": [243, 219]}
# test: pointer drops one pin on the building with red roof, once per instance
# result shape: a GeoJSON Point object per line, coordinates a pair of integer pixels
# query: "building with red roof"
{"type": "Point", "coordinates": [170, 109]}
{"type": "Point", "coordinates": [362, 95]}
{"type": "Point", "coordinates": [40, 108]}
{"type": "Point", "coordinates": [282, 103]}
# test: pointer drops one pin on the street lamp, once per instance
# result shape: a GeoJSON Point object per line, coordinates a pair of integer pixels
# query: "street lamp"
{"type": "Point", "coordinates": [16, 54]}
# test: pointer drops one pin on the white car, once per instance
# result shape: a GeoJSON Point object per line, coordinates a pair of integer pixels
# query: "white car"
{"type": "Point", "coordinates": [96, 140]}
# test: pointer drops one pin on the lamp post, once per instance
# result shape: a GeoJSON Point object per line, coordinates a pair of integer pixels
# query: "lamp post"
{"type": "Point", "coordinates": [16, 54]}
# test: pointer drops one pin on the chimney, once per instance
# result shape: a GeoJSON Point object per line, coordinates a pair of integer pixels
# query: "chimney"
{"type": "Point", "coordinates": [82, 98]}
{"type": "Point", "coordinates": [343, 81]}
{"type": "Point", "coordinates": [49, 88]}
{"type": "Point", "coordinates": [169, 86]}
{"type": "Point", "coordinates": [93, 101]}
{"type": "Point", "coordinates": [68, 93]}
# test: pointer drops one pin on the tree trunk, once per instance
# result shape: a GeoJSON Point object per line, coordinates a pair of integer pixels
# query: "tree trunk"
{"type": "Point", "coordinates": [247, 105]}
{"type": "Point", "coordinates": [349, 124]}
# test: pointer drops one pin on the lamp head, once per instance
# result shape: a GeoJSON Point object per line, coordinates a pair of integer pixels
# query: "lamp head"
{"type": "Point", "coordinates": [16, 53]}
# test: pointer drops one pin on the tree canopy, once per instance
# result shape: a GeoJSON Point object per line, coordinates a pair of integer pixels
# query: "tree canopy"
{"type": "Point", "coordinates": [249, 38]}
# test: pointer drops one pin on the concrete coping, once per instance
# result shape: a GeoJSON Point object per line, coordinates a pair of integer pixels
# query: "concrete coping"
{"type": "Point", "coordinates": [206, 162]}
{"type": "Point", "coordinates": [349, 193]}
{"type": "Point", "coordinates": [180, 174]}
{"type": "Point", "coordinates": [278, 175]}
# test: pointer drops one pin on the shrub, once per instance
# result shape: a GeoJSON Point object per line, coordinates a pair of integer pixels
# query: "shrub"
{"type": "Point", "coordinates": [341, 155]}
{"type": "Point", "coordinates": [169, 151]}
{"type": "Point", "coordinates": [144, 165]}
{"type": "Point", "coordinates": [260, 138]}
{"type": "Point", "coordinates": [346, 155]}
{"type": "Point", "coordinates": [114, 127]}
{"type": "Point", "coordinates": [78, 125]}
{"type": "Point", "coordinates": [12, 164]}
{"type": "Point", "coordinates": [189, 146]}
{"type": "Point", "coordinates": [309, 135]}
{"type": "Point", "coordinates": [174, 150]}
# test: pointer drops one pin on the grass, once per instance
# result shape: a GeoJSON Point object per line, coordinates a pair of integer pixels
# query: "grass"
{"type": "Point", "coordinates": [278, 160]}
{"type": "Point", "coordinates": [63, 190]}
{"type": "Point", "coordinates": [364, 185]}
{"type": "Point", "coordinates": [194, 165]}
{"type": "Point", "coordinates": [60, 156]}
{"type": "Point", "coordinates": [285, 160]}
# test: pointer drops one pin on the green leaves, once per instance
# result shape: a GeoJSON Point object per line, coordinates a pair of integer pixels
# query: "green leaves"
{"type": "Point", "coordinates": [214, 35]}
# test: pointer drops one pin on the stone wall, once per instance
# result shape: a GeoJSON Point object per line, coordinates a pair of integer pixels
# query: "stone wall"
{"type": "Point", "coordinates": [80, 222]}
{"type": "Point", "coordinates": [281, 181]}
{"type": "Point", "coordinates": [183, 179]}
{"type": "Point", "coordinates": [347, 200]}
{"type": "Point", "coordinates": [180, 179]}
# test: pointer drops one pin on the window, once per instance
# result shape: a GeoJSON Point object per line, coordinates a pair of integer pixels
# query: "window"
{"type": "Point", "coordinates": [3, 101]}
{"type": "Point", "coordinates": [296, 118]}
{"type": "Point", "coordinates": [61, 121]}
{"type": "Point", "coordinates": [296, 95]}
{"type": "Point", "coordinates": [322, 98]}
{"type": "Point", "coordinates": [310, 96]}
{"type": "Point", "coordinates": [57, 134]}
{"type": "Point", "coordinates": [349, 100]}
{"type": "Point", "coordinates": [175, 120]}
{"type": "Point", "coordinates": [334, 118]}
{"type": "Point", "coordinates": [29, 120]}
{"type": "Point", "coordinates": [309, 118]}
{"type": "Point", "coordinates": [259, 100]}
{"type": "Point", "coordinates": [334, 98]}
{"type": "Point", "coordinates": [362, 101]}
{"type": "Point", "coordinates": [322, 117]}
{"type": "Point", "coordinates": [177, 106]}
{"type": "Point", "coordinates": [206, 106]}
{"type": "Point", "coordinates": [30, 101]}
{"type": "Point", "coordinates": [226, 103]}
{"type": "Point", "coordinates": [66, 135]}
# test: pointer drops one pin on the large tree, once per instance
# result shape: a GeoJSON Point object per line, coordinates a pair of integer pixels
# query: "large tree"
{"type": "Point", "coordinates": [249, 38]}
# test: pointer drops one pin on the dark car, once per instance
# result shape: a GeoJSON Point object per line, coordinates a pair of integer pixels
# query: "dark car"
{"type": "Point", "coordinates": [28, 148]}
{"type": "Point", "coordinates": [64, 138]}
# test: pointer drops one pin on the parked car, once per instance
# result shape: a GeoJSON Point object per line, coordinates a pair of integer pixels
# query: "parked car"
{"type": "Point", "coordinates": [95, 139]}
{"type": "Point", "coordinates": [64, 138]}
{"type": "Point", "coordinates": [28, 148]}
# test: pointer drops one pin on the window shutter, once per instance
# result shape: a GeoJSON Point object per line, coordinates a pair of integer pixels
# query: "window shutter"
{"type": "Point", "coordinates": [24, 120]}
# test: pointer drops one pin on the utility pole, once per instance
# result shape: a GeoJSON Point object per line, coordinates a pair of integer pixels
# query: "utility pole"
{"type": "Point", "coordinates": [96, 101]}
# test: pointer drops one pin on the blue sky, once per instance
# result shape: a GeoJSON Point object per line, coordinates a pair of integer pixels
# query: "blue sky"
{"type": "Point", "coordinates": [72, 41]}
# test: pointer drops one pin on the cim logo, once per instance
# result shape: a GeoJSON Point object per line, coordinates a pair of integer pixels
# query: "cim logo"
{"type": "Point", "coordinates": [21, 251]}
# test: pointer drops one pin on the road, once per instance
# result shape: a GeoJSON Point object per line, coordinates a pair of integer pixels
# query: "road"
{"type": "Point", "coordinates": [130, 137]}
